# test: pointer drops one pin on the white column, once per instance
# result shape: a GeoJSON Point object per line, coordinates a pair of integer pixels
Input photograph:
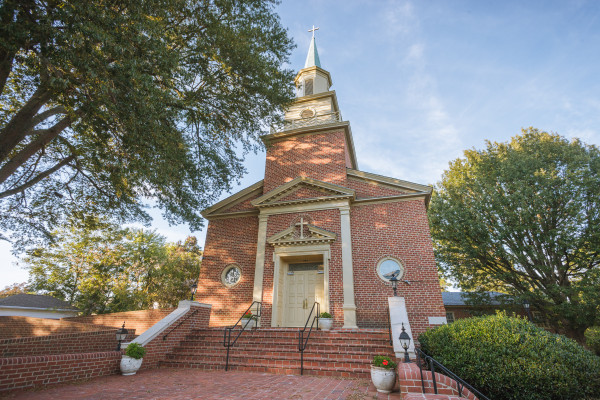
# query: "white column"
{"type": "Point", "coordinates": [347, 271]}
{"type": "Point", "coordinates": [259, 268]}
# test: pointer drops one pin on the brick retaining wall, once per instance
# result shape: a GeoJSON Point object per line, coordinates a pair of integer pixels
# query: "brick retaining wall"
{"type": "Point", "coordinates": [15, 327]}
{"type": "Point", "coordinates": [78, 342]}
{"type": "Point", "coordinates": [139, 320]}
{"type": "Point", "coordinates": [38, 371]}
{"type": "Point", "coordinates": [409, 378]}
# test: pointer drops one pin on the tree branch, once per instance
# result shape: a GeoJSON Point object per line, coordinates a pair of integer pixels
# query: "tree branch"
{"type": "Point", "coordinates": [37, 178]}
{"type": "Point", "coordinates": [29, 150]}
{"type": "Point", "coordinates": [41, 117]}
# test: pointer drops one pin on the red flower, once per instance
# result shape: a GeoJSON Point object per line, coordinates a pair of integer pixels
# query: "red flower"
{"type": "Point", "coordinates": [385, 362]}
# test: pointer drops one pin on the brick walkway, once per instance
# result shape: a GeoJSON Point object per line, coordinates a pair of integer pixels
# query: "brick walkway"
{"type": "Point", "coordinates": [197, 384]}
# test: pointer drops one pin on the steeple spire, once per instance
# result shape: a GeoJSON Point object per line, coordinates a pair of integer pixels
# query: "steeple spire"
{"type": "Point", "coordinates": [312, 59]}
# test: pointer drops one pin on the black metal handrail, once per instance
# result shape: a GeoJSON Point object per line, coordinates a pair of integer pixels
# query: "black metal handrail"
{"type": "Point", "coordinates": [301, 341]}
{"type": "Point", "coordinates": [389, 326]}
{"type": "Point", "coordinates": [227, 333]}
{"type": "Point", "coordinates": [433, 364]}
{"type": "Point", "coordinates": [180, 322]}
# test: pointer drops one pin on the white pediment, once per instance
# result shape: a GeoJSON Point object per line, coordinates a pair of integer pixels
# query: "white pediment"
{"type": "Point", "coordinates": [322, 191]}
{"type": "Point", "coordinates": [291, 237]}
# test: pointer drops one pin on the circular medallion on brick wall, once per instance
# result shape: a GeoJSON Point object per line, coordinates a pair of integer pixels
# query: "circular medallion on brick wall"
{"type": "Point", "coordinates": [231, 275]}
{"type": "Point", "coordinates": [388, 267]}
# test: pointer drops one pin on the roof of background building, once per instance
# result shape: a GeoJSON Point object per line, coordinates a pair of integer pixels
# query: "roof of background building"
{"type": "Point", "coordinates": [461, 298]}
{"type": "Point", "coordinates": [36, 301]}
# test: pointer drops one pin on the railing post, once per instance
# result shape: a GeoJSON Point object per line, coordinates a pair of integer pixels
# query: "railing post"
{"type": "Point", "coordinates": [417, 351]}
{"type": "Point", "coordinates": [432, 369]}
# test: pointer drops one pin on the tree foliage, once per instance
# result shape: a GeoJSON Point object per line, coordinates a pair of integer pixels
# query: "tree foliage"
{"type": "Point", "coordinates": [105, 104]}
{"type": "Point", "coordinates": [523, 218]}
{"type": "Point", "coordinates": [103, 268]}
{"type": "Point", "coordinates": [15, 288]}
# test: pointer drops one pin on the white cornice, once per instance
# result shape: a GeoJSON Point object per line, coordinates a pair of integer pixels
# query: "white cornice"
{"type": "Point", "coordinates": [233, 199]}
{"type": "Point", "coordinates": [415, 187]}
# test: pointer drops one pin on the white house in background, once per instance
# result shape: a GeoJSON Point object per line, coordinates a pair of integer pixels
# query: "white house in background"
{"type": "Point", "coordinates": [37, 306]}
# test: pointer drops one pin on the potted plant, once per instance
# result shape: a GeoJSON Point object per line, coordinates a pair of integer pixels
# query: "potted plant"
{"type": "Point", "coordinates": [325, 321]}
{"type": "Point", "coordinates": [132, 360]}
{"type": "Point", "coordinates": [248, 321]}
{"type": "Point", "coordinates": [383, 373]}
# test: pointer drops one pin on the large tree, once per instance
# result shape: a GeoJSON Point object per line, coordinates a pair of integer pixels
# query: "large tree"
{"type": "Point", "coordinates": [106, 104]}
{"type": "Point", "coordinates": [102, 268]}
{"type": "Point", "coordinates": [523, 218]}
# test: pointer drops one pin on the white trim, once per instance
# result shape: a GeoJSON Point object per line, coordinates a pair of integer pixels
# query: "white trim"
{"type": "Point", "coordinates": [437, 321]}
{"type": "Point", "coordinates": [159, 327]}
{"type": "Point", "coordinates": [259, 266]}
{"type": "Point", "coordinates": [396, 260]}
{"type": "Point", "coordinates": [347, 270]}
{"type": "Point", "coordinates": [295, 208]}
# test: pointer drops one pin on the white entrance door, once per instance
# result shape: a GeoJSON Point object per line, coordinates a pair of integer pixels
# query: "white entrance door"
{"type": "Point", "coordinates": [304, 286]}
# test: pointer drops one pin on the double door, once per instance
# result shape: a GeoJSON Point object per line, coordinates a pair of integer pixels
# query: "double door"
{"type": "Point", "coordinates": [304, 287]}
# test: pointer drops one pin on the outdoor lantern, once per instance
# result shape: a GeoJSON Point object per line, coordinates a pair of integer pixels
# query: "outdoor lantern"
{"type": "Point", "coordinates": [394, 281]}
{"type": "Point", "coordinates": [526, 306]}
{"type": "Point", "coordinates": [405, 342]}
{"type": "Point", "coordinates": [193, 288]}
{"type": "Point", "coordinates": [121, 335]}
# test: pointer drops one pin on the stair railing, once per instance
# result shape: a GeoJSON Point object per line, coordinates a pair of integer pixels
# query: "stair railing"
{"type": "Point", "coordinates": [303, 342]}
{"type": "Point", "coordinates": [423, 358]}
{"type": "Point", "coordinates": [389, 326]}
{"type": "Point", "coordinates": [227, 333]}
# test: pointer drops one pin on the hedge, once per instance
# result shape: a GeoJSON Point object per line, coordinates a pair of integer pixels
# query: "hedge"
{"type": "Point", "coordinates": [510, 358]}
{"type": "Point", "coordinates": [592, 338]}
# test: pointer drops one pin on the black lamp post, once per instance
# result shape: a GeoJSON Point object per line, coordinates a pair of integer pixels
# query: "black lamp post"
{"type": "Point", "coordinates": [193, 288]}
{"type": "Point", "coordinates": [526, 306]}
{"type": "Point", "coordinates": [121, 335]}
{"type": "Point", "coordinates": [405, 342]}
{"type": "Point", "coordinates": [394, 281]}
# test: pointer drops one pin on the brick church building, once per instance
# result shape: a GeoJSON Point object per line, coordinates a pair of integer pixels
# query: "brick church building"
{"type": "Point", "coordinates": [318, 229]}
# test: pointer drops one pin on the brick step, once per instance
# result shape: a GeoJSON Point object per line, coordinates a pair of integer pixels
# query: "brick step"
{"type": "Point", "coordinates": [319, 370]}
{"type": "Point", "coordinates": [312, 347]}
{"type": "Point", "coordinates": [272, 341]}
{"type": "Point", "coordinates": [339, 334]}
{"type": "Point", "coordinates": [325, 357]}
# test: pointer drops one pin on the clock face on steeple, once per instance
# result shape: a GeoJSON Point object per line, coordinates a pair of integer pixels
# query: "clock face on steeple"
{"type": "Point", "coordinates": [307, 113]}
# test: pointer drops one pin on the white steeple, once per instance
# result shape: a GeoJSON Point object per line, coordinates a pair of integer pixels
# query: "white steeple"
{"type": "Point", "coordinates": [312, 79]}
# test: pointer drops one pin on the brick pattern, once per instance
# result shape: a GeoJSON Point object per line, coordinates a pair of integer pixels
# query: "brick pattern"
{"type": "Point", "coordinates": [368, 189]}
{"type": "Point", "coordinates": [228, 241]}
{"type": "Point", "coordinates": [303, 192]}
{"type": "Point", "coordinates": [69, 343]}
{"type": "Point", "coordinates": [38, 371]}
{"type": "Point", "coordinates": [16, 327]}
{"type": "Point", "coordinates": [139, 320]}
{"type": "Point", "coordinates": [399, 230]}
{"type": "Point", "coordinates": [158, 348]}
{"type": "Point", "coordinates": [245, 205]}
{"type": "Point", "coordinates": [329, 353]}
{"type": "Point", "coordinates": [321, 157]}
{"type": "Point", "coordinates": [409, 377]}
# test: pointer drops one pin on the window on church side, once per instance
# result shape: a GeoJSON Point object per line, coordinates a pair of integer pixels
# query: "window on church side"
{"type": "Point", "coordinates": [231, 275]}
{"type": "Point", "coordinates": [308, 87]}
{"type": "Point", "coordinates": [389, 267]}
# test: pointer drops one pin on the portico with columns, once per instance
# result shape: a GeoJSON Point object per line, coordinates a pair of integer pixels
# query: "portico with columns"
{"type": "Point", "coordinates": [317, 229]}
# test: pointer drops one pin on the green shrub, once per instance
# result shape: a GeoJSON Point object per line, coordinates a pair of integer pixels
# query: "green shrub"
{"type": "Point", "coordinates": [135, 350]}
{"type": "Point", "coordinates": [510, 358]}
{"type": "Point", "coordinates": [592, 338]}
{"type": "Point", "coordinates": [325, 315]}
{"type": "Point", "coordinates": [384, 362]}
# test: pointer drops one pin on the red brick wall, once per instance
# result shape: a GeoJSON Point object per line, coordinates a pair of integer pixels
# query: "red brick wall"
{"type": "Point", "coordinates": [366, 189]}
{"type": "Point", "coordinates": [157, 349]}
{"type": "Point", "coordinates": [326, 219]}
{"type": "Point", "coordinates": [319, 156]}
{"type": "Point", "coordinates": [399, 230]}
{"type": "Point", "coordinates": [79, 342]}
{"type": "Point", "coordinates": [244, 205]}
{"type": "Point", "coordinates": [228, 241]}
{"type": "Point", "coordinates": [409, 380]}
{"type": "Point", "coordinates": [303, 192]}
{"type": "Point", "coordinates": [38, 371]}
{"type": "Point", "coordinates": [16, 327]}
{"type": "Point", "coordinates": [139, 320]}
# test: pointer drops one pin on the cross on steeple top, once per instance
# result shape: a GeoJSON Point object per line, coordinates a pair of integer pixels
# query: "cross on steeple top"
{"type": "Point", "coordinates": [313, 30]}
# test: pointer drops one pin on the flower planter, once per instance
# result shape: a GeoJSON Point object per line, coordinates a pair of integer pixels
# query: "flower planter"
{"type": "Point", "coordinates": [325, 323]}
{"type": "Point", "coordinates": [129, 365]}
{"type": "Point", "coordinates": [383, 379]}
{"type": "Point", "coordinates": [248, 323]}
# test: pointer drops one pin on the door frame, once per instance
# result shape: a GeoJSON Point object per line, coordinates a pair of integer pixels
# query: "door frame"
{"type": "Point", "coordinates": [280, 268]}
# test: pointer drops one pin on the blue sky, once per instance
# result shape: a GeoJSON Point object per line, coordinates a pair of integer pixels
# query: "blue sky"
{"type": "Point", "coordinates": [421, 81]}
